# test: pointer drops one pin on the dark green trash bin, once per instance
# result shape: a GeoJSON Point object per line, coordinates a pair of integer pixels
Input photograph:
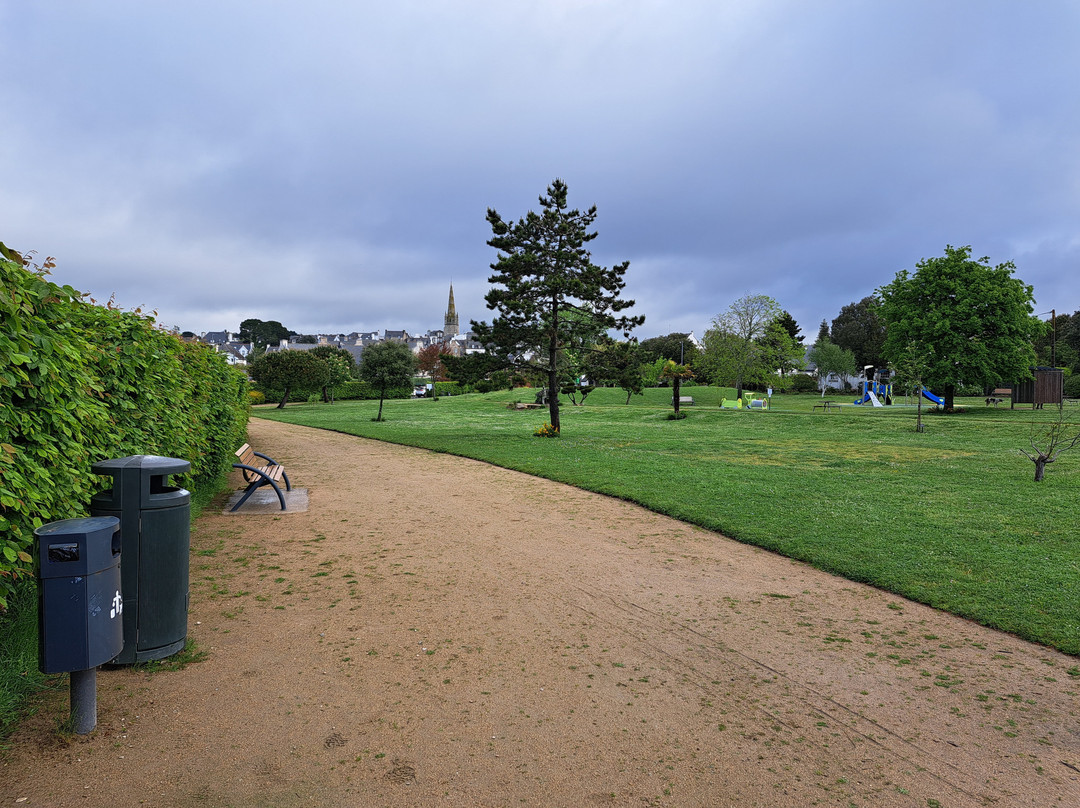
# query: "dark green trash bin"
{"type": "Point", "coordinates": [155, 536]}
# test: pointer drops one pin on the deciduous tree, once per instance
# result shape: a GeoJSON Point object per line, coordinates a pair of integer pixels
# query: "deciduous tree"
{"type": "Point", "coordinates": [972, 321]}
{"type": "Point", "coordinates": [290, 371]}
{"type": "Point", "coordinates": [430, 362]}
{"type": "Point", "coordinates": [733, 346]}
{"type": "Point", "coordinates": [549, 295]}
{"type": "Point", "coordinates": [676, 346]}
{"type": "Point", "coordinates": [386, 365]}
{"type": "Point", "coordinates": [829, 357]}
{"type": "Point", "coordinates": [341, 365]}
{"type": "Point", "coordinates": [617, 363]}
{"type": "Point", "coordinates": [859, 328]}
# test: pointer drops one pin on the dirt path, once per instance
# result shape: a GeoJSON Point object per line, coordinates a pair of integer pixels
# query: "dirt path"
{"type": "Point", "coordinates": [436, 631]}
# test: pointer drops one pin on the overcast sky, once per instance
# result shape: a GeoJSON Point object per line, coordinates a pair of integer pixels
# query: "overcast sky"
{"type": "Point", "coordinates": [329, 163]}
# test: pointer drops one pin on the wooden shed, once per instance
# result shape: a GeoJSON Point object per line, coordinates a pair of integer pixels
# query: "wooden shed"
{"type": "Point", "coordinates": [1048, 387]}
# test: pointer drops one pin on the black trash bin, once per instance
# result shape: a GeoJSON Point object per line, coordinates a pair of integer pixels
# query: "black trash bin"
{"type": "Point", "coordinates": [80, 605]}
{"type": "Point", "coordinates": [155, 535]}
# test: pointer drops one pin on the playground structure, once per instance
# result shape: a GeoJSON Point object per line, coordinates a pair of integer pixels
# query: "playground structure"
{"type": "Point", "coordinates": [876, 387]}
{"type": "Point", "coordinates": [747, 403]}
{"type": "Point", "coordinates": [928, 395]}
{"type": "Point", "coordinates": [878, 390]}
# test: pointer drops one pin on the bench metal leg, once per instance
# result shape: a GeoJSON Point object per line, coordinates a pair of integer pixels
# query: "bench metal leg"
{"type": "Point", "coordinates": [251, 489]}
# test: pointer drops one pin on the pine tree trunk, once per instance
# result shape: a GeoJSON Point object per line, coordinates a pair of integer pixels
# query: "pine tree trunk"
{"type": "Point", "coordinates": [553, 398]}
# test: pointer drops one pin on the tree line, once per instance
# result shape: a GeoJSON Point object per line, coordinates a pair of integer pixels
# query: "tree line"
{"type": "Point", "coordinates": [955, 321]}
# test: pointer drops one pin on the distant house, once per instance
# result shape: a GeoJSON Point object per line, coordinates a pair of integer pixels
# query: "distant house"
{"type": "Point", "coordinates": [216, 337]}
{"type": "Point", "coordinates": [832, 379]}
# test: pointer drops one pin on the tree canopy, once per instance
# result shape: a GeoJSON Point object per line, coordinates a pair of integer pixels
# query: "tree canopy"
{"type": "Point", "coordinates": [261, 333]}
{"type": "Point", "coordinates": [734, 348]}
{"type": "Point", "coordinates": [549, 296]}
{"type": "Point", "coordinates": [290, 371]}
{"type": "Point", "coordinates": [617, 363]}
{"type": "Point", "coordinates": [971, 322]}
{"type": "Point", "coordinates": [340, 364]}
{"type": "Point", "coordinates": [676, 346]}
{"type": "Point", "coordinates": [386, 365]}
{"type": "Point", "coordinates": [859, 328]}
{"type": "Point", "coordinates": [828, 357]}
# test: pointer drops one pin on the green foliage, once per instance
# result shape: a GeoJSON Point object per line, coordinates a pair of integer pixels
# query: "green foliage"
{"type": "Point", "coordinates": [829, 357]}
{"type": "Point", "coordinates": [550, 297]}
{"type": "Point", "coordinates": [471, 368]}
{"type": "Point", "coordinates": [387, 365]}
{"type": "Point", "coordinates": [617, 363]}
{"type": "Point", "coordinates": [256, 397]}
{"type": "Point", "coordinates": [262, 334]}
{"type": "Point", "coordinates": [81, 383]}
{"type": "Point", "coordinates": [860, 329]}
{"type": "Point", "coordinates": [735, 348]}
{"type": "Point", "coordinates": [970, 322]}
{"type": "Point", "coordinates": [363, 391]}
{"type": "Point", "coordinates": [290, 371]}
{"type": "Point", "coordinates": [19, 674]}
{"type": "Point", "coordinates": [447, 389]}
{"type": "Point", "coordinates": [676, 347]}
{"type": "Point", "coordinates": [339, 363]}
{"type": "Point", "coordinates": [547, 431]}
{"type": "Point", "coordinates": [1072, 386]}
{"type": "Point", "coordinates": [650, 373]}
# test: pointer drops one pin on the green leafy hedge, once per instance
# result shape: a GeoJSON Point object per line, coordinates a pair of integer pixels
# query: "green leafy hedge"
{"type": "Point", "coordinates": [81, 383]}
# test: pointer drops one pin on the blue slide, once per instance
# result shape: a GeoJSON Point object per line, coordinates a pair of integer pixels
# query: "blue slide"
{"type": "Point", "coordinates": [939, 401]}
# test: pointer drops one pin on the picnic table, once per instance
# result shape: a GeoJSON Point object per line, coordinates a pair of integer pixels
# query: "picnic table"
{"type": "Point", "coordinates": [828, 406]}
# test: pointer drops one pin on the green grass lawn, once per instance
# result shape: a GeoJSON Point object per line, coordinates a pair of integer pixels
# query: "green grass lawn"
{"type": "Point", "coordinates": [950, 517]}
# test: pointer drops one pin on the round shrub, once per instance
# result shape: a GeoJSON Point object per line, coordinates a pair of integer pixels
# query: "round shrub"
{"type": "Point", "coordinates": [255, 397]}
{"type": "Point", "coordinates": [801, 383]}
{"type": "Point", "coordinates": [1072, 386]}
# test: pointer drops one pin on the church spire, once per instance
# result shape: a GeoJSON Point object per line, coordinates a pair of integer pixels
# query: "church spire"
{"type": "Point", "coordinates": [450, 324]}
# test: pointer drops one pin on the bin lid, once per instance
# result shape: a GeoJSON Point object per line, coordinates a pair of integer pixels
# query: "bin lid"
{"type": "Point", "coordinates": [74, 547]}
{"type": "Point", "coordinates": [147, 463]}
{"type": "Point", "coordinates": [140, 481]}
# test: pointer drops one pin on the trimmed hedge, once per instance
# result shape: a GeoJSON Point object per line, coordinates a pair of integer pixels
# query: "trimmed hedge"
{"type": "Point", "coordinates": [81, 383]}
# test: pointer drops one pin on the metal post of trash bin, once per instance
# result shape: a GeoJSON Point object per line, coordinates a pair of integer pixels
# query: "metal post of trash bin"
{"type": "Point", "coordinates": [79, 606]}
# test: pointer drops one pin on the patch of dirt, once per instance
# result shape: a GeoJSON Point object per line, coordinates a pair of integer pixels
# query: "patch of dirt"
{"type": "Point", "coordinates": [436, 631]}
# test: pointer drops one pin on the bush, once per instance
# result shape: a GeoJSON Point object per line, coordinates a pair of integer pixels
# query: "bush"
{"type": "Point", "coordinates": [547, 431]}
{"type": "Point", "coordinates": [362, 391]}
{"type": "Point", "coordinates": [1072, 386]}
{"type": "Point", "coordinates": [447, 389]}
{"type": "Point", "coordinates": [255, 397]}
{"type": "Point", "coordinates": [801, 383]}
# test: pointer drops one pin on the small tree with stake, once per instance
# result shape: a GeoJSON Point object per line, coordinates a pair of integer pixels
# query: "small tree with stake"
{"type": "Point", "coordinates": [1055, 441]}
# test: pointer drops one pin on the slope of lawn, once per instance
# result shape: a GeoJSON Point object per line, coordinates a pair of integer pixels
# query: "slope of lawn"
{"type": "Point", "coordinates": [950, 517]}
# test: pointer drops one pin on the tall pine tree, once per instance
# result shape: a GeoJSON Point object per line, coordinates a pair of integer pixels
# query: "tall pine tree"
{"type": "Point", "coordinates": [549, 295]}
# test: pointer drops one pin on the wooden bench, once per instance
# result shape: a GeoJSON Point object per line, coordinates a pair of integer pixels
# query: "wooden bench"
{"type": "Point", "coordinates": [827, 406]}
{"type": "Point", "coordinates": [259, 470]}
